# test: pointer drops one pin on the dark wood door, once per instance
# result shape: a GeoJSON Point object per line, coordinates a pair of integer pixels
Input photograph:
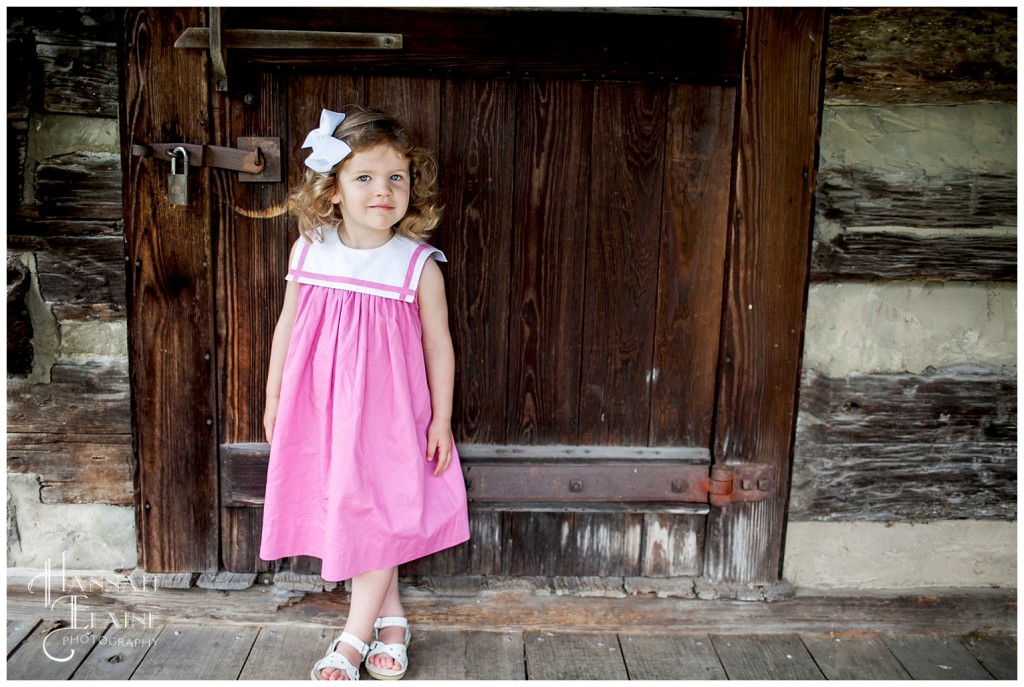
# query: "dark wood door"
{"type": "Point", "coordinates": [589, 168]}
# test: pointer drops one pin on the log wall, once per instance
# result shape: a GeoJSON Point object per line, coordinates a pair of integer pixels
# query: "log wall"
{"type": "Point", "coordinates": [68, 421]}
{"type": "Point", "coordinates": [915, 230]}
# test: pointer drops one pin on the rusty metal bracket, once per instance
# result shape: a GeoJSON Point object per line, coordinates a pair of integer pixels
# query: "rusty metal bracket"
{"type": "Point", "coordinates": [491, 481]}
{"type": "Point", "coordinates": [258, 159]}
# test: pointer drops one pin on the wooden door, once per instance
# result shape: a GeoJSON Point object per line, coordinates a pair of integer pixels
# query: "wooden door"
{"type": "Point", "coordinates": [600, 269]}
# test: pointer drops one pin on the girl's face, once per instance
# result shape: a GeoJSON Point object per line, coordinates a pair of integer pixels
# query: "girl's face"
{"type": "Point", "coordinates": [372, 194]}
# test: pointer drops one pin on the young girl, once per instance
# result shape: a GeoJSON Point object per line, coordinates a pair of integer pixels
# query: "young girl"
{"type": "Point", "coordinates": [363, 471]}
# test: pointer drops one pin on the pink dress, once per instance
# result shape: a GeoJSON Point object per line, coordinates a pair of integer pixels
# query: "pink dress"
{"type": "Point", "coordinates": [348, 480]}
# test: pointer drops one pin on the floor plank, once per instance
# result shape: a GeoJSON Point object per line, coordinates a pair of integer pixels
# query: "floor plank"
{"type": "Point", "coordinates": [437, 655]}
{"type": "Point", "coordinates": [287, 652]}
{"type": "Point", "coordinates": [51, 652]}
{"type": "Point", "coordinates": [495, 656]}
{"type": "Point", "coordinates": [567, 656]}
{"type": "Point", "coordinates": [198, 652]}
{"type": "Point", "coordinates": [685, 657]}
{"type": "Point", "coordinates": [854, 657]}
{"type": "Point", "coordinates": [765, 657]}
{"type": "Point", "coordinates": [997, 654]}
{"type": "Point", "coordinates": [18, 629]}
{"type": "Point", "coordinates": [936, 658]}
{"type": "Point", "coordinates": [118, 653]}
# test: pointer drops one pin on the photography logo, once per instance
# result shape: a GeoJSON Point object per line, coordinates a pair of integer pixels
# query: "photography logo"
{"type": "Point", "coordinates": [67, 595]}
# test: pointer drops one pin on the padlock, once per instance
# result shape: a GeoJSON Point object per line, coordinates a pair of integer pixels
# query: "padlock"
{"type": "Point", "coordinates": [177, 184]}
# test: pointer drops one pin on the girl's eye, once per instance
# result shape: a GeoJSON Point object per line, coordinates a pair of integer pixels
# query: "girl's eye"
{"type": "Point", "coordinates": [396, 177]}
{"type": "Point", "coordinates": [363, 177]}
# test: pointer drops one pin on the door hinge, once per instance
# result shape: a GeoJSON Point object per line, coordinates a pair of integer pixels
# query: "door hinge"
{"type": "Point", "coordinates": [257, 159]}
{"type": "Point", "coordinates": [728, 484]}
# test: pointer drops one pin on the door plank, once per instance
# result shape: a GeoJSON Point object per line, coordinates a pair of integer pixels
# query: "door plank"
{"type": "Point", "coordinates": [766, 282]}
{"type": "Point", "coordinates": [287, 652]}
{"type": "Point", "coordinates": [854, 657]}
{"type": "Point", "coordinates": [171, 298]}
{"type": "Point", "coordinates": [698, 161]}
{"type": "Point", "coordinates": [437, 655]}
{"type": "Point", "coordinates": [198, 652]}
{"type": "Point", "coordinates": [546, 309]}
{"type": "Point", "coordinates": [765, 657]}
{"type": "Point", "coordinates": [565, 656]}
{"type": "Point", "coordinates": [936, 658]}
{"type": "Point", "coordinates": [118, 654]}
{"type": "Point", "coordinates": [997, 654]}
{"type": "Point", "coordinates": [673, 545]}
{"type": "Point", "coordinates": [622, 261]}
{"type": "Point", "coordinates": [32, 659]}
{"type": "Point", "coordinates": [495, 656]}
{"type": "Point", "coordinates": [477, 150]}
{"type": "Point", "coordinates": [680, 657]}
{"type": "Point", "coordinates": [417, 101]}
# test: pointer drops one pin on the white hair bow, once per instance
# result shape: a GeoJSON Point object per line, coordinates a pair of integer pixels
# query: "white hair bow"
{"type": "Point", "coordinates": [327, 150]}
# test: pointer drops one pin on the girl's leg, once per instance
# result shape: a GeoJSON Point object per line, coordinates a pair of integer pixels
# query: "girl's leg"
{"type": "Point", "coordinates": [392, 606]}
{"type": "Point", "coordinates": [369, 591]}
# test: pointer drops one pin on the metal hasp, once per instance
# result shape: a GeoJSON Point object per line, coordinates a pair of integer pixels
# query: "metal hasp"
{"type": "Point", "coordinates": [635, 482]}
{"type": "Point", "coordinates": [258, 159]}
{"type": "Point", "coordinates": [218, 39]}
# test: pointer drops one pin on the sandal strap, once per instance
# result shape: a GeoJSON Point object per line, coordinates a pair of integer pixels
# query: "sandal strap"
{"type": "Point", "coordinates": [335, 659]}
{"type": "Point", "coordinates": [391, 621]}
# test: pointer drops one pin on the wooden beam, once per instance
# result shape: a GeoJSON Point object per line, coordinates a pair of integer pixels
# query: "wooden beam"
{"type": "Point", "coordinates": [766, 281]}
{"type": "Point", "coordinates": [907, 447]}
{"type": "Point", "coordinates": [170, 308]}
{"type": "Point", "coordinates": [917, 55]}
{"type": "Point", "coordinates": [891, 256]}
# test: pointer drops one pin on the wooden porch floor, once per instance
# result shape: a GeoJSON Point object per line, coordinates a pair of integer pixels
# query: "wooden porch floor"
{"type": "Point", "coordinates": [246, 652]}
{"type": "Point", "coordinates": [267, 632]}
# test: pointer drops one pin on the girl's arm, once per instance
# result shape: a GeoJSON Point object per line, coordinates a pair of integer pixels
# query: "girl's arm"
{"type": "Point", "coordinates": [278, 353]}
{"type": "Point", "coordinates": [439, 355]}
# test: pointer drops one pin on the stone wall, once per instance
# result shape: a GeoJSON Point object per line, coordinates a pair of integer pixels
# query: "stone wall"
{"type": "Point", "coordinates": [905, 459]}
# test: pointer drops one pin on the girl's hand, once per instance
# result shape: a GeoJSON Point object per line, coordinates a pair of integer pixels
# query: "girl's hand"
{"type": "Point", "coordinates": [439, 444]}
{"type": "Point", "coordinates": [270, 418]}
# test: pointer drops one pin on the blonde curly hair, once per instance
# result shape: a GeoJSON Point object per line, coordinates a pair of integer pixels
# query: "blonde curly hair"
{"type": "Point", "coordinates": [363, 129]}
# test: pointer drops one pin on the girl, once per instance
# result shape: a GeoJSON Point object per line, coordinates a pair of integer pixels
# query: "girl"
{"type": "Point", "coordinates": [363, 471]}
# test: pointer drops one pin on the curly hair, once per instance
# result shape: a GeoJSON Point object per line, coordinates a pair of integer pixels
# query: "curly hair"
{"type": "Point", "coordinates": [363, 129]}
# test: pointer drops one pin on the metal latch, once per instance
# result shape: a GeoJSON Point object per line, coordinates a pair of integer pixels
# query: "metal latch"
{"type": "Point", "coordinates": [257, 159]}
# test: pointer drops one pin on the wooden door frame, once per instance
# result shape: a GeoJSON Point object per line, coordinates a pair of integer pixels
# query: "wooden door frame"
{"type": "Point", "coordinates": [171, 287]}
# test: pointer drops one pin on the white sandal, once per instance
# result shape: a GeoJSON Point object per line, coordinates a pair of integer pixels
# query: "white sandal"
{"type": "Point", "coordinates": [399, 652]}
{"type": "Point", "coordinates": [335, 659]}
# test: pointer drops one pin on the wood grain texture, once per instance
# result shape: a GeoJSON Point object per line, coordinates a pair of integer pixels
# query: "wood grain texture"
{"type": "Point", "coordinates": [80, 185]}
{"type": "Point", "coordinates": [858, 197]}
{"type": "Point", "coordinates": [284, 652]}
{"type": "Point", "coordinates": [766, 282]}
{"type": "Point", "coordinates": [765, 657]}
{"type": "Point", "coordinates": [673, 545]}
{"type": "Point", "coordinates": [935, 658]}
{"type": "Point", "coordinates": [888, 256]}
{"type": "Point", "coordinates": [907, 447]}
{"type": "Point", "coordinates": [212, 654]}
{"type": "Point", "coordinates": [74, 433]}
{"type": "Point", "coordinates": [118, 653]}
{"type": "Point", "coordinates": [548, 260]}
{"type": "Point", "coordinates": [997, 654]}
{"type": "Point", "coordinates": [495, 656]}
{"type": "Point", "coordinates": [171, 301]}
{"type": "Point", "coordinates": [698, 163]}
{"type": "Point", "coordinates": [82, 278]}
{"type": "Point", "coordinates": [31, 662]}
{"type": "Point", "coordinates": [477, 187]}
{"type": "Point", "coordinates": [79, 79]}
{"type": "Point", "coordinates": [18, 630]}
{"type": "Point", "coordinates": [683, 657]}
{"type": "Point", "coordinates": [552, 656]}
{"type": "Point", "coordinates": [854, 657]}
{"type": "Point", "coordinates": [622, 259]}
{"type": "Point", "coordinates": [933, 55]}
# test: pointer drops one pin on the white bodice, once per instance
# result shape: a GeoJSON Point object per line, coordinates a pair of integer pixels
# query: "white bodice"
{"type": "Point", "coordinates": [390, 271]}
